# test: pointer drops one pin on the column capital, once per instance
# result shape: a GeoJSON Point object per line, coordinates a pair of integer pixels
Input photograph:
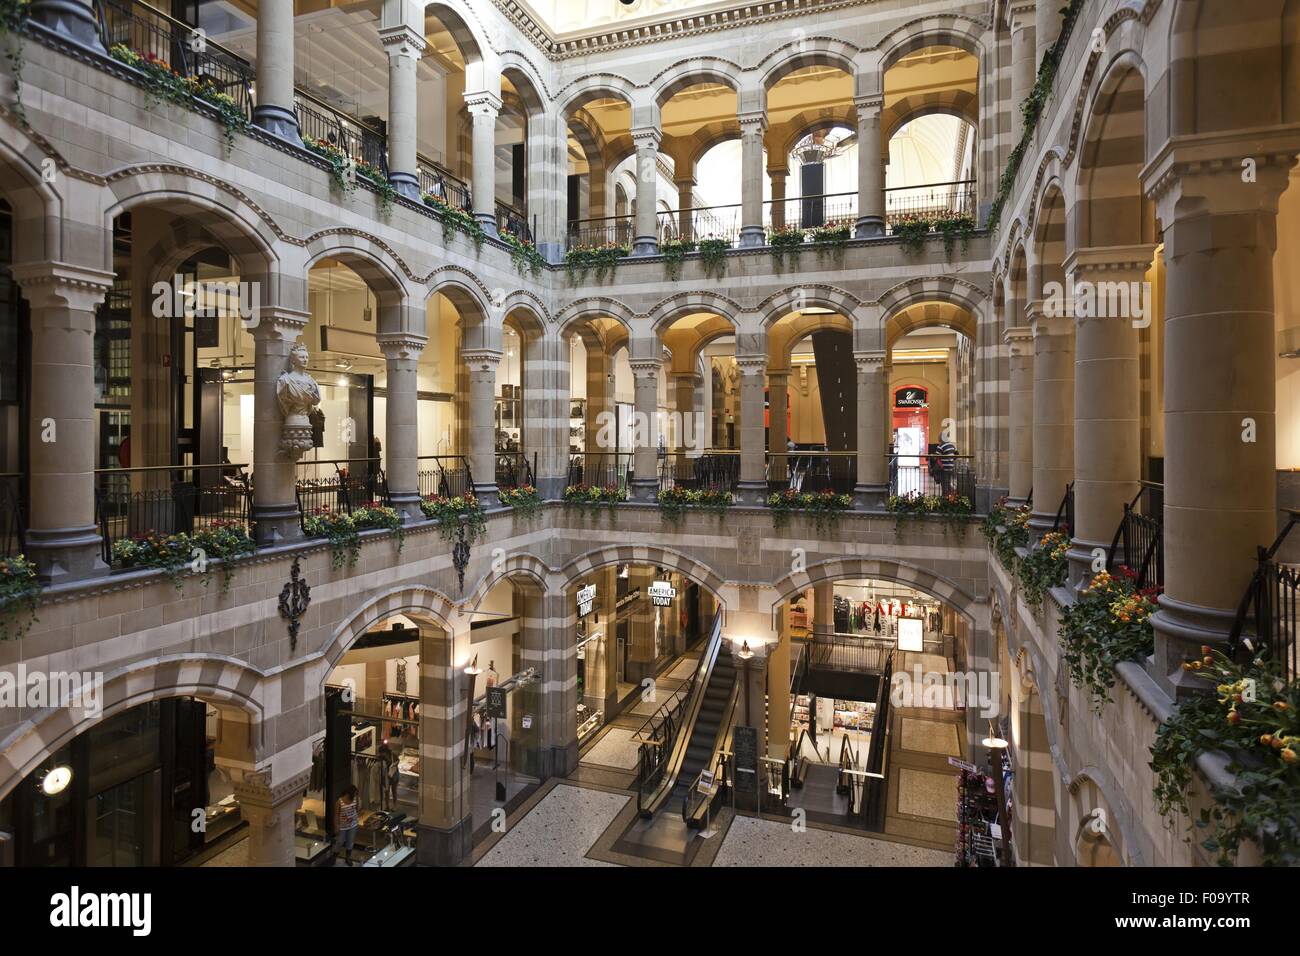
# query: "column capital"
{"type": "Point", "coordinates": [868, 107]}
{"type": "Point", "coordinates": [483, 103]}
{"type": "Point", "coordinates": [276, 320]}
{"type": "Point", "coordinates": [62, 285]}
{"type": "Point", "coordinates": [693, 378]}
{"type": "Point", "coordinates": [481, 360]}
{"type": "Point", "coordinates": [751, 124]}
{"type": "Point", "coordinates": [751, 364]}
{"type": "Point", "coordinates": [778, 373]}
{"type": "Point", "coordinates": [401, 40]}
{"type": "Point", "coordinates": [1020, 339]}
{"type": "Point", "coordinates": [258, 789]}
{"type": "Point", "coordinates": [870, 361]}
{"type": "Point", "coordinates": [778, 170]}
{"type": "Point", "coordinates": [645, 367]}
{"type": "Point", "coordinates": [1102, 260]}
{"type": "Point", "coordinates": [1051, 326]}
{"type": "Point", "coordinates": [401, 345]}
{"type": "Point", "coordinates": [647, 137]}
{"type": "Point", "coordinates": [1020, 14]}
{"type": "Point", "coordinates": [688, 182]}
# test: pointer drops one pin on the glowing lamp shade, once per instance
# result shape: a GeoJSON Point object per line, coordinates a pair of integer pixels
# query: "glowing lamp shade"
{"type": "Point", "coordinates": [56, 780]}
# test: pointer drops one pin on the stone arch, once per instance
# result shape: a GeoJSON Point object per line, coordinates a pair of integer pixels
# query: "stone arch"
{"type": "Point", "coordinates": [685, 345]}
{"type": "Point", "coordinates": [218, 679]}
{"type": "Point", "coordinates": [1111, 208]}
{"type": "Point", "coordinates": [707, 137]}
{"type": "Point", "coordinates": [593, 307]}
{"type": "Point", "coordinates": [417, 601]}
{"type": "Point", "coordinates": [1016, 282]}
{"type": "Point", "coordinates": [930, 288]}
{"type": "Point", "coordinates": [781, 339]}
{"type": "Point", "coordinates": [463, 25]}
{"type": "Point", "coordinates": [926, 315]}
{"type": "Point", "coordinates": [885, 569]}
{"type": "Point", "coordinates": [1048, 239]}
{"type": "Point", "coordinates": [364, 257]}
{"type": "Point", "coordinates": [962, 104]}
{"type": "Point", "coordinates": [683, 564]}
{"type": "Point", "coordinates": [528, 84]}
{"type": "Point", "coordinates": [669, 310]}
{"type": "Point", "coordinates": [687, 73]}
{"type": "Point", "coordinates": [35, 203]}
{"type": "Point", "coordinates": [527, 313]}
{"type": "Point", "coordinates": [810, 121]}
{"type": "Point", "coordinates": [523, 564]}
{"type": "Point", "coordinates": [795, 298]}
{"type": "Point", "coordinates": [595, 86]}
{"type": "Point", "coordinates": [964, 33]}
{"type": "Point", "coordinates": [804, 52]}
{"type": "Point", "coordinates": [1119, 814]}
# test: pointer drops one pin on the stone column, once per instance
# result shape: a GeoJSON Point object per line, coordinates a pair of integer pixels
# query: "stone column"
{"type": "Point", "coordinates": [872, 489]}
{"type": "Point", "coordinates": [823, 611]}
{"type": "Point", "coordinates": [753, 126]}
{"type": "Point", "coordinates": [645, 483]}
{"type": "Point", "coordinates": [1053, 413]}
{"type": "Point", "coordinates": [778, 693]}
{"type": "Point", "coordinates": [871, 170]}
{"type": "Point", "coordinates": [1220, 384]}
{"type": "Point", "coordinates": [446, 828]}
{"type": "Point", "coordinates": [1107, 399]}
{"type": "Point", "coordinates": [62, 537]}
{"type": "Point", "coordinates": [269, 808]}
{"type": "Point", "coordinates": [405, 47]}
{"type": "Point", "coordinates": [402, 354]}
{"type": "Point", "coordinates": [777, 178]}
{"type": "Point", "coordinates": [691, 434]}
{"type": "Point", "coordinates": [778, 429]}
{"type": "Point", "coordinates": [483, 109]}
{"type": "Point", "coordinates": [482, 365]}
{"type": "Point", "coordinates": [275, 101]}
{"type": "Point", "coordinates": [1047, 27]}
{"type": "Point", "coordinates": [550, 746]}
{"type": "Point", "coordinates": [72, 19]}
{"type": "Point", "coordinates": [600, 401]}
{"type": "Point", "coordinates": [686, 207]}
{"type": "Point", "coordinates": [646, 240]}
{"type": "Point", "coordinates": [1020, 343]}
{"type": "Point", "coordinates": [1024, 63]}
{"type": "Point", "coordinates": [275, 504]}
{"type": "Point", "coordinates": [752, 487]}
{"type": "Point", "coordinates": [546, 411]}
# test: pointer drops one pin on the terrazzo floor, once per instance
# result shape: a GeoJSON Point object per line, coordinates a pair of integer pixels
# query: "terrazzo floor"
{"type": "Point", "coordinates": [616, 748]}
{"type": "Point", "coordinates": [930, 736]}
{"type": "Point", "coordinates": [924, 793]}
{"type": "Point", "coordinates": [559, 830]}
{"type": "Point", "coordinates": [754, 842]}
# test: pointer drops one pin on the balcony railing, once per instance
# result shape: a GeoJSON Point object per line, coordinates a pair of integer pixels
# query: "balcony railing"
{"type": "Point", "coordinates": [707, 222]}
{"type": "Point", "coordinates": [444, 475]}
{"type": "Point", "coordinates": [339, 485]}
{"type": "Point", "coordinates": [439, 183]}
{"type": "Point", "coordinates": [604, 469]}
{"type": "Point", "coordinates": [810, 212]}
{"type": "Point", "coordinates": [153, 33]}
{"type": "Point", "coordinates": [13, 523]}
{"type": "Point", "coordinates": [709, 471]}
{"type": "Point", "coordinates": [319, 121]}
{"type": "Point", "coordinates": [932, 475]}
{"type": "Point", "coordinates": [1064, 520]}
{"type": "Point", "coordinates": [1268, 618]}
{"type": "Point", "coordinates": [1139, 540]}
{"type": "Point", "coordinates": [514, 221]}
{"type": "Point", "coordinates": [169, 499]}
{"type": "Point", "coordinates": [813, 470]}
{"type": "Point", "coordinates": [596, 233]}
{"type": "Point", "coordinates": [931, 201]}
{"type": "Point", "coordinates": [513, 469]}
{"type": "Point", "coordinates": [861, 655]}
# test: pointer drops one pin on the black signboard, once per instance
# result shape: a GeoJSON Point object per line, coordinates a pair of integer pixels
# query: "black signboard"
{"type": "Point", "coordinates": [496, 702]}
{"type": "Point", "coordinates": [744, 744]}
{"type": "Point", "coordinates": [910, 397]}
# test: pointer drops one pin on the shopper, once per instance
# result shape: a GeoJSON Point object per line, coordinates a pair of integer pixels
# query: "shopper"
{"type": "Point", "coordinates": [346, 822]}
{"type": "Point", "coordinates": [947, 465]}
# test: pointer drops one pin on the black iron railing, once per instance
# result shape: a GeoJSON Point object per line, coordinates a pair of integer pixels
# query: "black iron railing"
{"type": "Point", "coordinates": [13, 518]}
{"type": "Point", "coordinates": [932, 475]}
{"type": "Point", "coordinates": [707, 222]}
{"type": "Point", "coordinates": [1139, 540]}
{"type": "Point", "coordinates": [1064, 520]}
{"type": "Point", "coordinates": [604, 469]}
{"type": "Point", "coordinates": [444, 475]}
{"type": "Point", "coordinates": [930, 201]}
{"type": "Point", "coordinates": [876, 768]}
{"type": "Point", "coordinates": [319, 121]}
{"type": "Point", "coordinates": [808, 470]}
{"type": "Point", "coordinates": [710, 471]}
{"type": "Point", "coordinates": [1268, 618]}
{"type": "Point", "coordinates": [442, 185]}
{"type": "Point", "coordinates": [861, 655]}
{"type": "Point", "coordinates": [513, 469]}
{"type": "Point", "coordinates": [153, 34]}
{"type": "Point", "coordinates": [514, 221]}
{"type": "Point", "coordinates": [169, 499]}
{"type": "Point", "coordinates": [811, 212]}
{"type": "Point", "coordinates": [339, 485]}
{"type": "Point", "coordinates": [598, 233]}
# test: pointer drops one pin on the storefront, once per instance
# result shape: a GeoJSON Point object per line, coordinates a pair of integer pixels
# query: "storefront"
{"type": "Point", "coordinates": [152, 786]}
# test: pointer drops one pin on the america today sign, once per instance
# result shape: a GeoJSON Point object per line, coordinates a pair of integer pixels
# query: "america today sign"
{"type": "Point", "coordinates": [662, 594]}
{"type": "Point", "coordinates": [586, 599]}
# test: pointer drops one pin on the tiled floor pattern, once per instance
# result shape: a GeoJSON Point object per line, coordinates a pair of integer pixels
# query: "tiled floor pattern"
{"type": "Point", "coordinates": [924, 793]}
{"type": "Point", "coordinates": [615, 748]}
{"type": "Point", "coordinates": [929, 736]}
{"type": "Point", "coordinates": [754, 842]}
{"type": "Point", "coordinates": [559, 830]}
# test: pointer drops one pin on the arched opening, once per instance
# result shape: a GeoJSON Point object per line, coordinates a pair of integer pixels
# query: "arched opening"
{"type": "Point", "coordinates": [601, 427]}
{"type": "Point", "coordinates": [699, 403]}
{"type": "Point", "coordinates": [598, 209]}
{"type": "Point", "coordinates": [698, 154]}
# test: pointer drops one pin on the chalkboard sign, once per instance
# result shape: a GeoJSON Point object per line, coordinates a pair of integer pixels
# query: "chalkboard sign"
{"type": "Point", "coordinates": [496, 702]}
{"type": "Point", "coordinates": [744, 744]}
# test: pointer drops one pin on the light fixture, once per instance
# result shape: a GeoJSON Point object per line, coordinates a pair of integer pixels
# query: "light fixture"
{"type": "Point", "coordinates": [56, 780]}
{"type": "Point", "coordinates": [745, 653]}
{"type": "Point", "coordinates": [343, 364]}
{"type": "Point", "coordinates": [993, 741]}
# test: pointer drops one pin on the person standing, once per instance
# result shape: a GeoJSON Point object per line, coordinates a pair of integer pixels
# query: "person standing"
{"type": "Point", "coordinates": [947, 452]}
{"type": "Point", "coordinates": [346, 823]}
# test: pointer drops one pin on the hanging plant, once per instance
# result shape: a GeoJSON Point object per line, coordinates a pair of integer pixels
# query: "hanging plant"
{"type": "Point", "coordinates": [1044, 568]}
{"type": "Point", "coordinates": [675, 502]}
{"type": "Point", "coordinates": [523, 254]}
{"type": "Point", "coordinates": [378, 515]}
{"type": "Point", "coordinates": [674, 251]}
{"type": "Point", "coordinates": [1006, 529]}
{"type": "Point", "coordinates": [824, 507]}
{"type": "Point", "coordinates": [713, 255]}
{"type": "Point", "coordinates": [169, 554]}
{"type": "Point", "coordinates": [524, 499]}
{"type": "Point", "coordinates": [20, 594]}
{"type": "Point", "coordinates": [951, 507]}
{"type": "Point", "coordinates": [594, 497]}
{"type": "Point", "coordinates": [227, 541]}
{"type": "Point", "coordinates": [1109, 623]}
{"type": "Point", "coordinates": [339, 530]}
{"type": "Point", "coordinates": [831, 238]}
{"type": "Point", "coordinates": [786, 241]}
{"type": "Point", "coordinates": [455, 219]}
{"type": "Point", "coordinates": [954, 228]}
{"type": "Point", "coordinates": [602, 258]}
{"type": "Point", "coordinates": [450, 512]}
{"type": "Point", "coordinates": [342, 179]}
{"type": "Point", "coordinates": [912, 231]}
{"type": "Point", "coordinates": [13, 17]}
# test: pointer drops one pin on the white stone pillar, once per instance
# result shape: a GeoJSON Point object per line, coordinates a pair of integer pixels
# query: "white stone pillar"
{"type": "Point", "coordinates": [752, 488]}
{"type": "Point", "coordinates": [871, 170]}
{"type": "Point", "coordinates": [1024, 63]}
{"type": "Point", "coordinates": [872, 489]}
{"type": "Point", "coordinates": [275, 102]}
{"type": "Point", "coordinates": [646, 240]}
{"type": "Point", "coordinates": [685, 207]}
{"type": "Point", "coordinates": [275, 504]}
{"type": "Point", "coordinates": [483, 110]}
{"type": "Point", "coordinates": [62, 537]}
{"type": "Point", "coordinates": [1053, 413]}
{"type": "Point", "coordinates": [753, 127]}
{"type": "Point", "coordinates": [645, 375]}
{"type": "Point", "coordinates": [402, 354]}
{"type": "Point", "coordinates": [1020, 342]}
{"type": "Point", "coordinates": [777, 178]}
{"type": "Point", "coordinates": [482, 365]}
{"type": "Point", "coordinates": [1107, 394]}
{"type": "Point", "coordinates": [1047, 27]}
{"type": "Point", "coordinates": [269, 809]}
{"type": "Point", "coordinates": [404, 47]}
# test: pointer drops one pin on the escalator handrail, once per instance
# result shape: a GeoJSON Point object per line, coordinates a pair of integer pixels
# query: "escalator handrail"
{"type": "Point", "coordinates": [673, 765]}
{"type": "Point", "coordinates": [722, 743]}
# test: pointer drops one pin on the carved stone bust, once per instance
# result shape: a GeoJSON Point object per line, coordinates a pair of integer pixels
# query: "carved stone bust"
{"type": "Point", "coordinates": [298, 395]}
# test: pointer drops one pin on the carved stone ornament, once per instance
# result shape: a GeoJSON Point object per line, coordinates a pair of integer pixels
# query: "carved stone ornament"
{"type": "Point", "coordinates": [298, 395]}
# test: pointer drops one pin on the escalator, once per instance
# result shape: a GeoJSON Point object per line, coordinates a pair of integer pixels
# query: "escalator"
{"type": "Point", "coordinates": [703, 722]}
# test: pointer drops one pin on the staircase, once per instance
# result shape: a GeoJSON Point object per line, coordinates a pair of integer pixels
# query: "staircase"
{"type": "Point", "coordinates": [704, 735]}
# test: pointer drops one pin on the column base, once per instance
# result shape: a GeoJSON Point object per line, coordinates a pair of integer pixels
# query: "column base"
{"type": "Point", "coordinates": [1180, 631]}
{"type": "Point", "coordinates": [489, 223]}
{"type": "Point", "coordinates": [1082, 559]}
{"type": "Point", "coordinates": [276, 525]}
{"type": "Point", "coordinates": [644, 489]}
{"type": "Point", "coordinates": [406, 184]}
{"type": "Point", "coordinates": [66, 554]}
{"type": "Point", "coordinates": [70, 20]}
{"type": "Point", "coordinates": [407, 504]}
{"type": "Point", "coordinates": [278, 121]}
{"type": "Point", "coordinates": [645, 246]}
{"type": "Point", "coordinates": [870, 497]}
{"type": "Point", "coordinates": [444, 846]}
{"type": "Point", "coordinates": [752, 237]}
{"type": "Point", "coordinates": [487, 495]}
{"type": "Point", "coordinates": [552, 252]}
{"type": "Point", "coordinates": [551, 487]}
{"type": "Point", "coordinates": [1039, 525]}
{"type": "Point", "coordinates": [751, 492]}
{"type": "Point", "coordinates": [869, 227]}
{"type": "Point", "coordinates": [545, 762]}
